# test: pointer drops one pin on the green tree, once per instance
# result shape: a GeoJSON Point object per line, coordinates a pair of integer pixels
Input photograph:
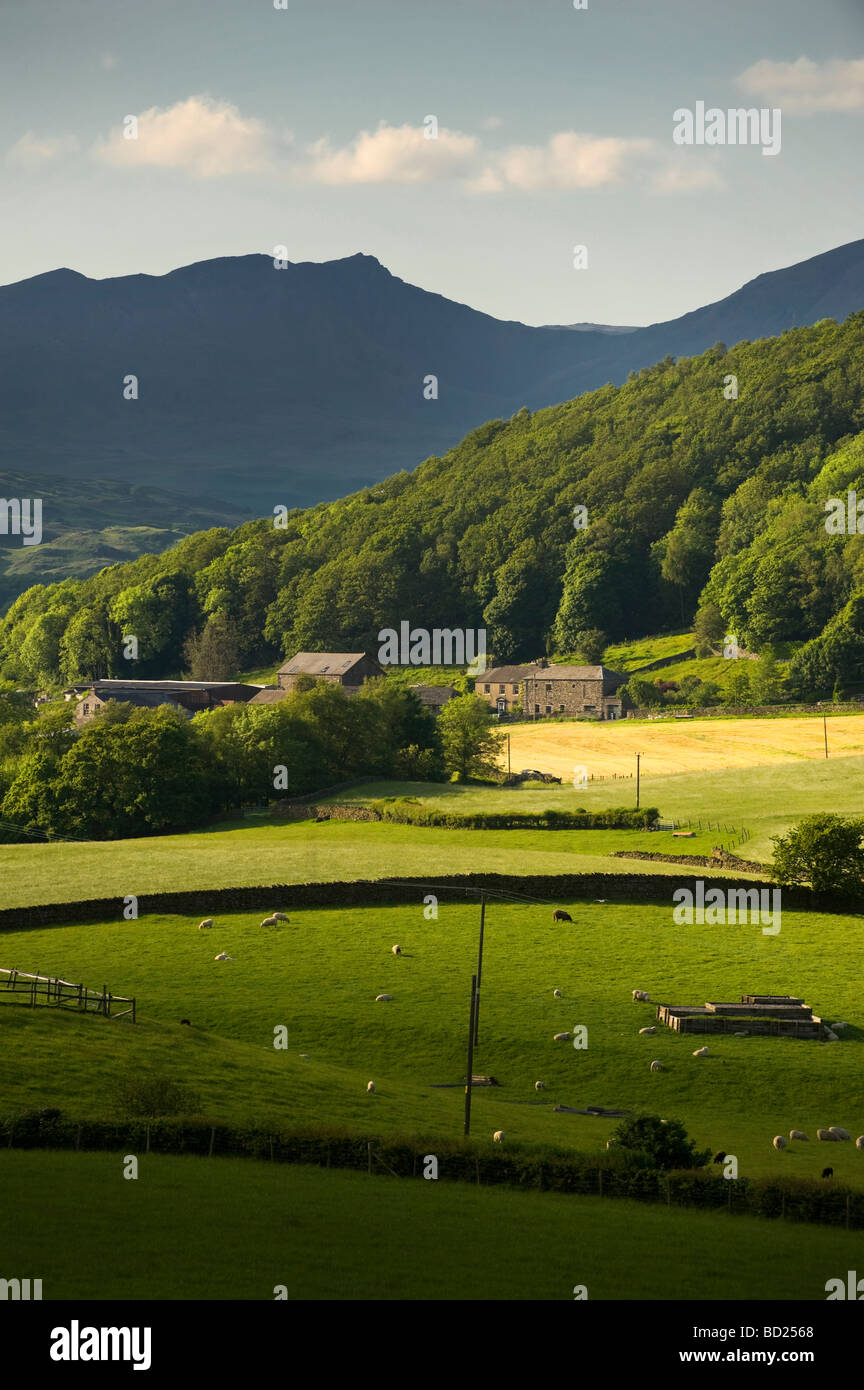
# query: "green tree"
{"type": "Point", "coordinates": [825, 851]}
{"type": "Point", "coordinates": [659, 1143]}
{"type": "Point", "coordinates": [470, 741]}
{"type": "Point", "coordinates": [213, 653]}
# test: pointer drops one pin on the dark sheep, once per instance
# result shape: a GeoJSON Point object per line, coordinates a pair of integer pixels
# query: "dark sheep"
{"type": "Point", "coordinates": [559, 915]}
{"type": "Point", "coordinates": [827, 1172]}
{"type": "Point", "coordinates": [186, 1021]}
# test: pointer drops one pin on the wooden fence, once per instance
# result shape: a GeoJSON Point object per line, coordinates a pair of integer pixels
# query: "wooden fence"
{"type": "Point", "coordinates": [49, 989]}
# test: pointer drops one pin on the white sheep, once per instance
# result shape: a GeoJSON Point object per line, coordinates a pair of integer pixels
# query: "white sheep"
{"type": "Point", "coordinates": [397, 950]}
{"type": "Point", "coordinates": [383, 998]}
{"type": "Point", "coordinates": [641, 996]}
{"type": "Point", "coordinates": [203, 926]}
{"type": "Point", "coordinates": [649, 1031]}
{"type": "Point", "coordinates": [556, 994]}
{"type": "Point", "coordinates": [859, 1142]}
{"type": "Point", "coordinates": [498, 1136]}
{"type": "Point", "coordinates": [656, 1066]}
{"type": "Point", "coordinates": [701, 1052]}
{"type": "Point", "coordinates": [370, 1087]}
{"type": "Point", "coordinates": [838, 1027]}
{"type": "Point", "coordinates": [839, 1133]}
{"type": "Point", "coordinates": [539, 1085]}
{"type": "Point", "coordinates": [281, 917]}
{"type": "Point", "coordinates": [827, 1137]}
{"type": "Point", "coordinates": [799, 1134]}
{"type": "Point", "coordinates": [561, 1037]}
{"type": "Point", "coordinates": [223, 956]}
{"type": "Point", "coordinates": [270, 921]}
{"type": "Point", "coordinates": [740, 1035]}
{"type": "Point", "coordinates": [779, 1142]}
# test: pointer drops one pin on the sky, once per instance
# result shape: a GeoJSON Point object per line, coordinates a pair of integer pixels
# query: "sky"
{"type": "Point", "coordinates": [307, 127]}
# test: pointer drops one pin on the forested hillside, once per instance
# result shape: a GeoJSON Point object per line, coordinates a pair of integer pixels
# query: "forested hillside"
{"type": "Point", "coordinates": [694, 500]}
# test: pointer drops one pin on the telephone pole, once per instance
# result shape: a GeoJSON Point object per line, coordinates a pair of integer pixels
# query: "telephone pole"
{"type": "Point", "coordinates": [470, 1056]}
{"type": "Point", "coordinates": [638, 756]}
{"type": "Point", "coordinates": [479, 970]}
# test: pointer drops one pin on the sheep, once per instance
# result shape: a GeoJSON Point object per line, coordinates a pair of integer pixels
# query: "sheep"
{"type": "Point", "coordinates": [838, 1027]}
{"type": "Point", "coordinates": [556, 994]}
{"type": "Point", "coordinates": [305, 1055]}
{"type": "Point", "coordinates": [498, 1136]}
{"type": "Point", "coordinates": [838, 1132]}
{"type": "Point", "coordinates": [778, 1141]}
{"type": "Point", "coordinates": [720, 1156]}
{"type": "Point", "coordinates": [539, 1085]}
{"type": "Point", "coordinates": [223, 956]}
{"type": "Point", "coordinates": [370, 1087]}
{"type": "Point", "coordinates": [799, 1134]}
{"type": "Point", "coordinates": [701, 1052]}
{"type": "Point", "coordinates": [270, 922]}
{"type": "Point", "coordinates": [186, 1022]}
{"type": "Point", "coordinates": [559, 915]}
{"type": "Point", "coordinates": [827, 1172]}
{"type": "Point", "coordinates": [383, 998]}
{"type": "Point", "coordinates": [740, 1035]}
{"type": "Point", "coordinates": [656, 1066]}
{"type": "Point", "coordinates": [561, 1037]}
{"type": "Point", "coordinates": [859, 1142]}
{"type": "Point", "coordinates": [649, 1031]}
{"type": "Point", "coordinates": [831, 1036]}
{"type": "Point", "coordinates": [281, 917]}
{"type": "Point", "coordinates": [397, 950]}
{"type": "Point", "coordinates": [827, 1136]}
{"type": "Point", "coordinates": [203, 926]}
{"type": "Point", "coordinates": [640, 996]}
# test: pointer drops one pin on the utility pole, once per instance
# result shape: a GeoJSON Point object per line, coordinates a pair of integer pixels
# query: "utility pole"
{"type": "Point", "coordinates": [638, 756]}
{"type": "Point", "coordinates": [508, 757]}
{"type": "Point", "coordinates": [479, 970]}
{"type": "Point", "coordinates": [470, 1056]}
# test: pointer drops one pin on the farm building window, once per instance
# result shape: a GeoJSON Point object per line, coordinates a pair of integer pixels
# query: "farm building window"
{"type": "Point", "coordinates": [548, 709]}
{"type": "Point", "coordinates": [548, 690]}
{"type": "Point", "coordinates": [561, 708]}
{"type": "Point", "coordinates": [502, 689]}
{"type": "Point", "coordinates": [536, 709]}
{"type": "Point", "coordinates": [591, 707]}
{"type": "Point", "coordinates": [487, 688]}
{"type": "Point", "coordinates": [515, 690]}
{"type": "Point", "coordinates": [86, 709]}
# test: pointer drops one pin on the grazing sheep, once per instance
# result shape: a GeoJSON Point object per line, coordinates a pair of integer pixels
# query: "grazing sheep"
{"type": "Point", "coordinates": [498, 1136]}
{"type": "Point", "coordinates": [799, 1134]}
{"type": "Point", "coordinates": [701, 1052]}
{"type": "Point", "coordinates": [740, 1035]}
{"type": "Point", "coordinates": [838, 1132]}
{"type": "Point", "coordinates": [561, 1037]}
{"type": "Point", "coordinates": [383, 998]}
{"type": "Point", "coordinates": [827, 1136]}
{"type": "Point", "coordinates": [778, 1141]}
{"type": "Point", "coordinates": [838, 1027]}
{"type": "Point", "coordinates": [640, 996]}
{"type": "Point", "coordinates": [370, 1087]}
{"type": "Point", "coordinates": [559, 915]}
{"type": "Point", "coordinates": [539, 1085]}
{"type": "Point", "coordinates": [831, 1036]}
{"type": "Point", "coordinates": [656, 1066]}
{"type": "Point", "coordinates": [281, 917]}
{"type": "Point", "coordinates": [397, 950]}
{"type": "Point", "coordinates": [556, 994]}
{"type": "Point", "coordinates": [203, 926]}
{"type": "Point", "coordinates": [270, 922]}
{"type": "Point", "coordinates": [649, 1031]}
{"type": "Point", "coordinates": [223, 955]}
{"type": "Point", "coordinates": [859, 1142]}
{"type": "Point", "coordinates": [827, 1172]}
{"type": "Point", "coordinates": [720, 1156]}
{"type": "Point", "coordinates": [305, 1054]}
{"type": "Point", "coordinates": [186, 1021]}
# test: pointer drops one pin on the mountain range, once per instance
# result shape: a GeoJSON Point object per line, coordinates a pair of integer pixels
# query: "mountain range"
{"type": "Point", "coordinates": [259, 386]}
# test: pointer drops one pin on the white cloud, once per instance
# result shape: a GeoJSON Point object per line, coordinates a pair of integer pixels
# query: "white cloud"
{"type": "Point", "coordinates": [32, 151]}
{"type": "Point", "coordinates": [805, 86]}
{"type": "Point", "coordinates": [207, 138]}
{"type": "Point", "coordinates": [392, 154]}
{"type": "Point", "coordinates": [678, 178]}
{"type": "Point", "coordinates": [567, 161]}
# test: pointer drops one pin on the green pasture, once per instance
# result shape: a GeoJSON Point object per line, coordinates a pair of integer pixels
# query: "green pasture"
{"type": "Point", "coordinates": [319, 975]}
{"type": "Point", "coordinates": [196, 1228]}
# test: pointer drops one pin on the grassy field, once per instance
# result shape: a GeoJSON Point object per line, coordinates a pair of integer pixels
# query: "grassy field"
{"type": "Point", "coordinates": [679, 745]}
{"type": "Point", "coordinates": [319, 976]}
{"type": "Point", "coordinates": [233, 1229]}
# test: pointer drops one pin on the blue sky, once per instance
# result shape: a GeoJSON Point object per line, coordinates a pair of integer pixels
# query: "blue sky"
{"type": "Point", "coordinates": [303, 127]}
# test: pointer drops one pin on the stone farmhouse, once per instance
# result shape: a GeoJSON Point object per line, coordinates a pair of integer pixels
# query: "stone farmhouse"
{"type": "Point", "coordinates": [434, 697]}
{"type": "Point", "coordinates": [189, 696]}
{"type": "Point", "coordinates": [544, 690]}
{"type": "Point", "coordinates": [348, 669]}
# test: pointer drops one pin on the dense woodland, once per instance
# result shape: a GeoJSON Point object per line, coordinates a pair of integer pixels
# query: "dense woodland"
{"type": "Point", "coordinates": [699, 507]}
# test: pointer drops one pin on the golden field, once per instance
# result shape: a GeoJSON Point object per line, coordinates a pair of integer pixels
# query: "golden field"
{"type": "Point", "coordinates": [667, 746]}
